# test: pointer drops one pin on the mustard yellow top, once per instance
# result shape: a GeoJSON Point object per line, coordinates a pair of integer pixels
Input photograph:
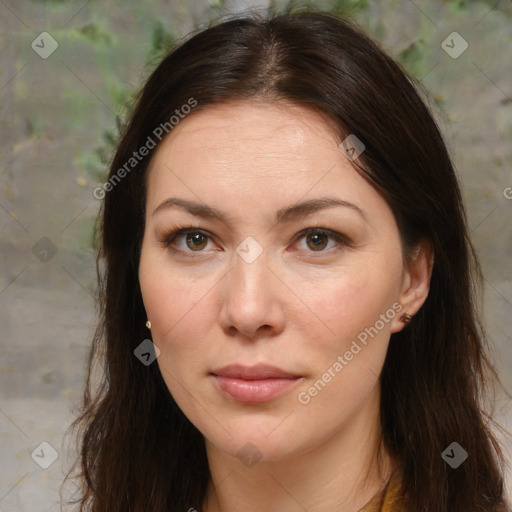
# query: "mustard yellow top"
{"type": "Point", "coordinates": [387, 499]}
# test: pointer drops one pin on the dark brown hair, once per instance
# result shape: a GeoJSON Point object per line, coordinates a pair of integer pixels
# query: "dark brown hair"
{"type": "Point", "coordinates": [138, 450]}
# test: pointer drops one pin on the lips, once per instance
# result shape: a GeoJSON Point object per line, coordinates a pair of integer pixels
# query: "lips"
{"type": "Point", "coordinates": [254, 384]}
{"type": "Point", "coordinates": [236, 371]}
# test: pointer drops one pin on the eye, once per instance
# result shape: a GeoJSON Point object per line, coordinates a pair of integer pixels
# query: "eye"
{"type": "Point", "coordinates": [317, 239]}
{"type": "Point", "coordinates": [195, 239]}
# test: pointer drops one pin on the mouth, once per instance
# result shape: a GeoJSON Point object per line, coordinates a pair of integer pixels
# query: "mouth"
{"type": "Point", "coordinates": [255, 384]}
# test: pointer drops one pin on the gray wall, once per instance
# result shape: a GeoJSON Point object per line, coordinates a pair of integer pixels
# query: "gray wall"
{"type": "Point", "coordinates": [54, 111]}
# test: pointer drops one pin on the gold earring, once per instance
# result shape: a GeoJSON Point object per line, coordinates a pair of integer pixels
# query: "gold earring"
{"type": "Point", "coordinates": [406, 318]}
{"type": "Point", "coordinates": [148, 324]}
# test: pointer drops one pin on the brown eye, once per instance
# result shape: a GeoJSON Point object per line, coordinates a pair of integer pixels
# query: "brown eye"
{"type": "Point", "coordinates": [322, 241]}
{"type": "Point", "coordinates": [318, 241]}
{"type": "Point", "coordinates": [187, 240]}
{"type": "Point", "coordinates": [196, 241]}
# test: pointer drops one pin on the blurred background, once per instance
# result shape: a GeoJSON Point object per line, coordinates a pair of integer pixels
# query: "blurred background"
{"type": "Point", "coordinates": [68, 72]}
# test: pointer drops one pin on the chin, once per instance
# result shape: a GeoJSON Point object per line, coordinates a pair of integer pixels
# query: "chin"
{"type": "Point", "coordinates": [253, 439]}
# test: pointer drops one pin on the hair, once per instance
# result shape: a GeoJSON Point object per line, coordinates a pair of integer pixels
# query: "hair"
{"type": "Point", "coordinates": [138, 451]}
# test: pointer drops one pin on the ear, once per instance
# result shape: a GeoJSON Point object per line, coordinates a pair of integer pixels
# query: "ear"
{"type": "Point", "coordinates": [415, 282]}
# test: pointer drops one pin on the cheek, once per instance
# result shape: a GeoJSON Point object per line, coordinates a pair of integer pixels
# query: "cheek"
{"type": "Point", "coordinates": [355, 312]}
{"type": "Point", "coordinates": [172, 297]}
{"type": "Point", "coordinates": [345, 362]}
{"type": "Point", "coordinates": [178, 307]}
{"type": "Point", "coordinates": [347, 302]}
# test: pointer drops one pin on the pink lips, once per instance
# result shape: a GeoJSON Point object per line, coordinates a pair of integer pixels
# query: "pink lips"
{"type": "Point", "coordinates": [254, 384]}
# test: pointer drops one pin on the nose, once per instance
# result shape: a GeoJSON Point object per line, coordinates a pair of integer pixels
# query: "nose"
{"type": "Point", "coordinates": [252, 304]}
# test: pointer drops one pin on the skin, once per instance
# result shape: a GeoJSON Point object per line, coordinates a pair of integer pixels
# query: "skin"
{"type": "Point", "coordinates": [297, 306]}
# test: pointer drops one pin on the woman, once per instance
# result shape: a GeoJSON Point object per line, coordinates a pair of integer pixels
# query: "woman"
{"type": "Point", "coordinates": [289, 317]}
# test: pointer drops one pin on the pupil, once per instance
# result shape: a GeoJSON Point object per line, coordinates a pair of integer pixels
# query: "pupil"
{"type": "Point", "coordinates": [317, 240]}
{"type": "Point", "coordinates": [197, 240]}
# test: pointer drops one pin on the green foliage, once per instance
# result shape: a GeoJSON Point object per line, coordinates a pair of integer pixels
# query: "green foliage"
{"type": "Point", "coordinates": [162, 39]}
{"type": "Point", "coordinates": [464, 4]}
{"type": "Point", "coordinates": [341, 7]}
{"type": "Point", "coordinates": [92, 164]}
{"type": "Point", "coordinates": [110, 138]}
{"type": "Point", "coordinates": [337, 7]}
{"type": "Point", "coordinates": [36, 126]}
{"type": "Point", "coordinates": [97, 163]}
{"type": "Point", "coordinates": [413, 58]}
{"type": "Point", "coordinates": [460, 4]}
{"type": "Point", "coordinates": [456, 6]}
{"type": "Point", "coordinates": [86, 236]}
{"type": "Point", "coordinates": [51, 2]}
{"type": "Point", "coordinates": [121, 97]}
{"type": "Point", "coordinates": [217, 4]}
{"type": "Point", "coordinates": [94, 33]}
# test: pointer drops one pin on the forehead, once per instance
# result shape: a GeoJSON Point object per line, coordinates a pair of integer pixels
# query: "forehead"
{"type": "Point", "coordinates": [271, 140]}
{"type": "Point", "coordinates": [235, 128]}
{"type": "Point", "coordinates": [256, 118]}
{"type": "Point", "coordinates": [249, 156]}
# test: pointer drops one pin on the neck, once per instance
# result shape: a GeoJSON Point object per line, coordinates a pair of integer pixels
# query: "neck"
{"type": "Point", "coordinates": [343, 473]}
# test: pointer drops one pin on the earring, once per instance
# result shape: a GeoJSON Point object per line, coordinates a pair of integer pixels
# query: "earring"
{"type": "Point", "coordinates": [148, 324]}
{"type": "Point", "coordinates": [406, 318]}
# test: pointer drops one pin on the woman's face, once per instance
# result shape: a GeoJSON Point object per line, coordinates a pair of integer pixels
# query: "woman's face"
{"type": "Point", "coordinates": [271, 341]}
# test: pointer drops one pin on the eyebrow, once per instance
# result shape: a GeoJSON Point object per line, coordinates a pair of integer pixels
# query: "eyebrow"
{"type": "Point", "coordinates": [283, 215]}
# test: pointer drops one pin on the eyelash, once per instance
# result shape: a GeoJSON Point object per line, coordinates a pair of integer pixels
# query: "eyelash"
{"type": "Point", "coordinates": [175, 232]}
